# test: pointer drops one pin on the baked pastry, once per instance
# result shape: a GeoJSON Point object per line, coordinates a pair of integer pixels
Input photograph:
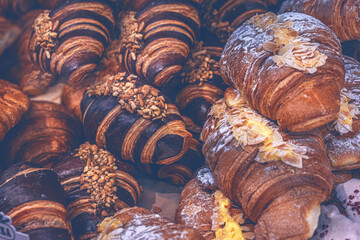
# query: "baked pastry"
{"type": "Point", "coordinates": [31, 79]}
{"type": "Point", "coordinates": [202, 84]}
{"type": "Point", "coordinates": [48, 4]}
{"type": "Point", "coordinates": [279, 178]}
{"type": "Point", "coordinates": [288, 67]}
{"type": "Point", "coordinates": [203, 207]}
{"type": "Point", "coordinates": [157, 39]}
{"type": "Point", "coordinates": [138, 223]}
{"type": "Point", "coordinates": [334, 225]}
{"type": "Point", "coordinates": [13, 104]}
{"type": "Point", "coordinates": [16, 8]}
{"type": "Point", "coordinates": [35, 201]}
{"type": "Point", "coordinates": [223, 17]}
{"type": "Point", "coordinates": [44, 134]}
{"type": "Point", "coordinates": [69, 40]}
{"type": "Point", "coordinates": [9, 32]}
{"type": "Point", "coordinates": [96, 185]}
{"type": "Point", "coordinates": [133, 121]}
{"type": "Point", "coordinates": [342, 19]}
{"type": "Point", "coordinates": [342, 140]}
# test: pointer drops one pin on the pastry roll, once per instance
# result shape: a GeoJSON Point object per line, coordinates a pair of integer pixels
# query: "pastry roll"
{"type": "Point", "coordinates": [44, 134]}
{"type": "Point", "coordinates": [343, 140]}
{"type": "Point", "coordinates": [288, 67]}
{"type": "Point", "coordinates": [35, 201]}
{"type": "Point", "coordinates": [279, 178]}
{"type": "Point", "coordinates": [138, 223]}
{"type": "Point", "coordinates": [136, 123]}
{"type": "Point", "coordinates": [16, 8]}
{"type": "Point", "coordinates": [13, 104]}
{"type": "Point", "coordinates": [69, 40]}
{"type": "Point", "coordinates": [96, 185]}
{"type": "Point", "coordinates": [339, 15]}
{"type": "Point", "coordinates": [203, 207]}
{"type": "Point", "coordinates": [156, 40]}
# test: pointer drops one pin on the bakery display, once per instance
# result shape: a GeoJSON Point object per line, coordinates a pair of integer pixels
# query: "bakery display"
{"type": "Point", "coordinates": [35, 201]}
{"type": "Point", "coordinates": [296, 73]}
{"type": "Point", "coordinates": [44, 134]}
{"type": "Point", "coordinates": [203, 207]}
{"type": "Point", "coordinates": [151, 90]}
{"type": "Point", "coordinates": [138, 223]}
{"type": "Point", "coordinates": [13, 104]}
{"type": "Point", "coordinates": [341, 20]}
{"type": "Point", "coordinates": [279, 178]}
{"type": "Point", "coordinates": [96, 185]}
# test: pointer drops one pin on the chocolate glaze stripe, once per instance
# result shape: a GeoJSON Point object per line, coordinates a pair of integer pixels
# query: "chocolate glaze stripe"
{"type": "Point", "coordinates": [50, 233]}
{"type": "Point", "coordinates": [85, 226]}
{"type": "Point", "coordinates": [79, 206]}
{"type": "Point", "coordinates": [53, 213]}
{"type": "Point", "coordinates": [100, 138]}
{"type": "Point", "coordinates": [129, 183]}
{"type": "Point", "coordinates": [79, 30]}
{"type": "Point", "coordinates": [152, 4]}
{"type": "Point", "coordinates": [166, 35]}
{"type": "Point", "coordinates": [236, 10]}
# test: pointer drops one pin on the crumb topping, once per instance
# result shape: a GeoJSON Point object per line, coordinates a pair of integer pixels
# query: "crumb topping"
{"type": "Point", "coordinates": [288, 47]}
{"type": "Point", "coordinates": [131, 36]}
{"type": "Point", "coordinates": [45, 31]}
{"type": "Point", "coordinates": [200, 67]}
{"type": "Point", "coordinates": [250, 128]}
{"type": "Point", "coordinates": [348, 111]}
{"type": "Point", "coordinates": [144, 100]}
{"type": "Point", "coordinates": [99, 175]}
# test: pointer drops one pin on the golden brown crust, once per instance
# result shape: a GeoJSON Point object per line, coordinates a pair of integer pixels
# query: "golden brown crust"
{"type": "Point", "coordinates": [342, 19]}
{"type": "Point", "coordinates": [297, 99]}
{"type": "Point", "coordinates": [139, 223]}
{"type": "Point", "coordinates": [13, 104]}
{"type": "Point", "coordinates": [269, 192]}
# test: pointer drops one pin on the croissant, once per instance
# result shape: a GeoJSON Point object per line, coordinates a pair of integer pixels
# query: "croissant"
{"type": "Point", "coordinates": [13, 104]}
{"type": "Point", "coordinates": [279, 178]}
{"type": "Point", "coordinates": [45, 132]}
{"type": "Point", "coordinates": [288, 67]}
{"type": "Point", "coordinates": [223, 17]}
{"type": "Point", "coordinates": [16, 8]}
{"type": "Point", "coordinates": [206, 209]}
{"type": "Point", "coordinates": [342, 19]}
{"type": "Point", "coordinates": [35, 201]}
{"type": "Point", "coordinates": [342, 140]}
{"type": "Point", "coordinates": [69, 40]}
{"type": "Point", "coordinates": [133, 121]}
{"type": "Point", "coordinates": [202, 84]}
{"type": "Point", "coordinates": [9, 32]}
{"type": "Point", "coordinates": [48, 4]}
{"type": "Point", "coordinates": [138, 223]}
{"type": "Point", "coordinates": [157, 39]}
{"type": "Point", "coordinates": [96, 184]}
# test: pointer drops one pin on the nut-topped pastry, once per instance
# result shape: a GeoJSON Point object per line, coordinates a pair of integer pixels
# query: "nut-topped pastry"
{"type": "Point", "coordinates": [96, 185]}
{"type": "Point", "coordinates": [288, 67]}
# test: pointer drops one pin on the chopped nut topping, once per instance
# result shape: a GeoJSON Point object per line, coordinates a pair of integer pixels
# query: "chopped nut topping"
{"type": "Point", "coordinates": [200, 67]}
{"type": "Point", "coordinates": [348, 111]}
{"type": "Point", "coordinates": [289, 48]}
{"type": "Point", "coordinates": [250, 128]}
{"type": "Point", "coordinates": [145, 100]}
{"type": "Point", "coordinates": [45, 31]}
{"type": "Point", "coordinates": [131, 36]}
{"type": "Point", "coordinates": [213, 21]}
{"type": "Point", "coordinates": [99, 175]}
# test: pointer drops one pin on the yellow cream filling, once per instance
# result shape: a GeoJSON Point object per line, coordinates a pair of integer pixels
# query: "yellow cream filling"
{"type": "Point", "coordinates": [228, 228]}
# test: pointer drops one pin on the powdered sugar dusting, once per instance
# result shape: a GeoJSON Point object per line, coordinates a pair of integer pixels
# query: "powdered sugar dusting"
{"type": "Point", "coordinates": [352, 78]}
{"type": "Point", "coordinates": [348, 145]}
{"type": "Point", "coordinates": [205, 177]}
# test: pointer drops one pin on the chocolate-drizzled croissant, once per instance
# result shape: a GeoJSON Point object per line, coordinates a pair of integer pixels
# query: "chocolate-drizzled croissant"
{"type": "Point", "coordinates": [279, 178]}
{"type": "Point", "coordinates": [223, 17]}
{"type": "Point", "coordinates": [69, 40]}
{"type": "Point", "coordinates": [45, 132]}
{"type": "Point", "coordinates": [342, 20]}
{"type": "Point", "coordinates": [135, 122]}
{"type": "Point", "coordinates": [13, 104]}
{"type": "Point", "coordinates": [342, 138]}
{"type": "Point", "coordinates": [157, 39]}
{"type": "Point", "coordinates": [203, 207]}
{"type": "Point", "coordinates": [16, 8]}
{"type": "Point", "coordinates": [96, 185]}
{"type": "Point", "coordinates": [202, 84]}
{"type": "Point", "coordinates": [35, 201]}
{"type": "Point", "coordinates": [138, 223]}
{"type": "Point", "coordinates": [288, 67]}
